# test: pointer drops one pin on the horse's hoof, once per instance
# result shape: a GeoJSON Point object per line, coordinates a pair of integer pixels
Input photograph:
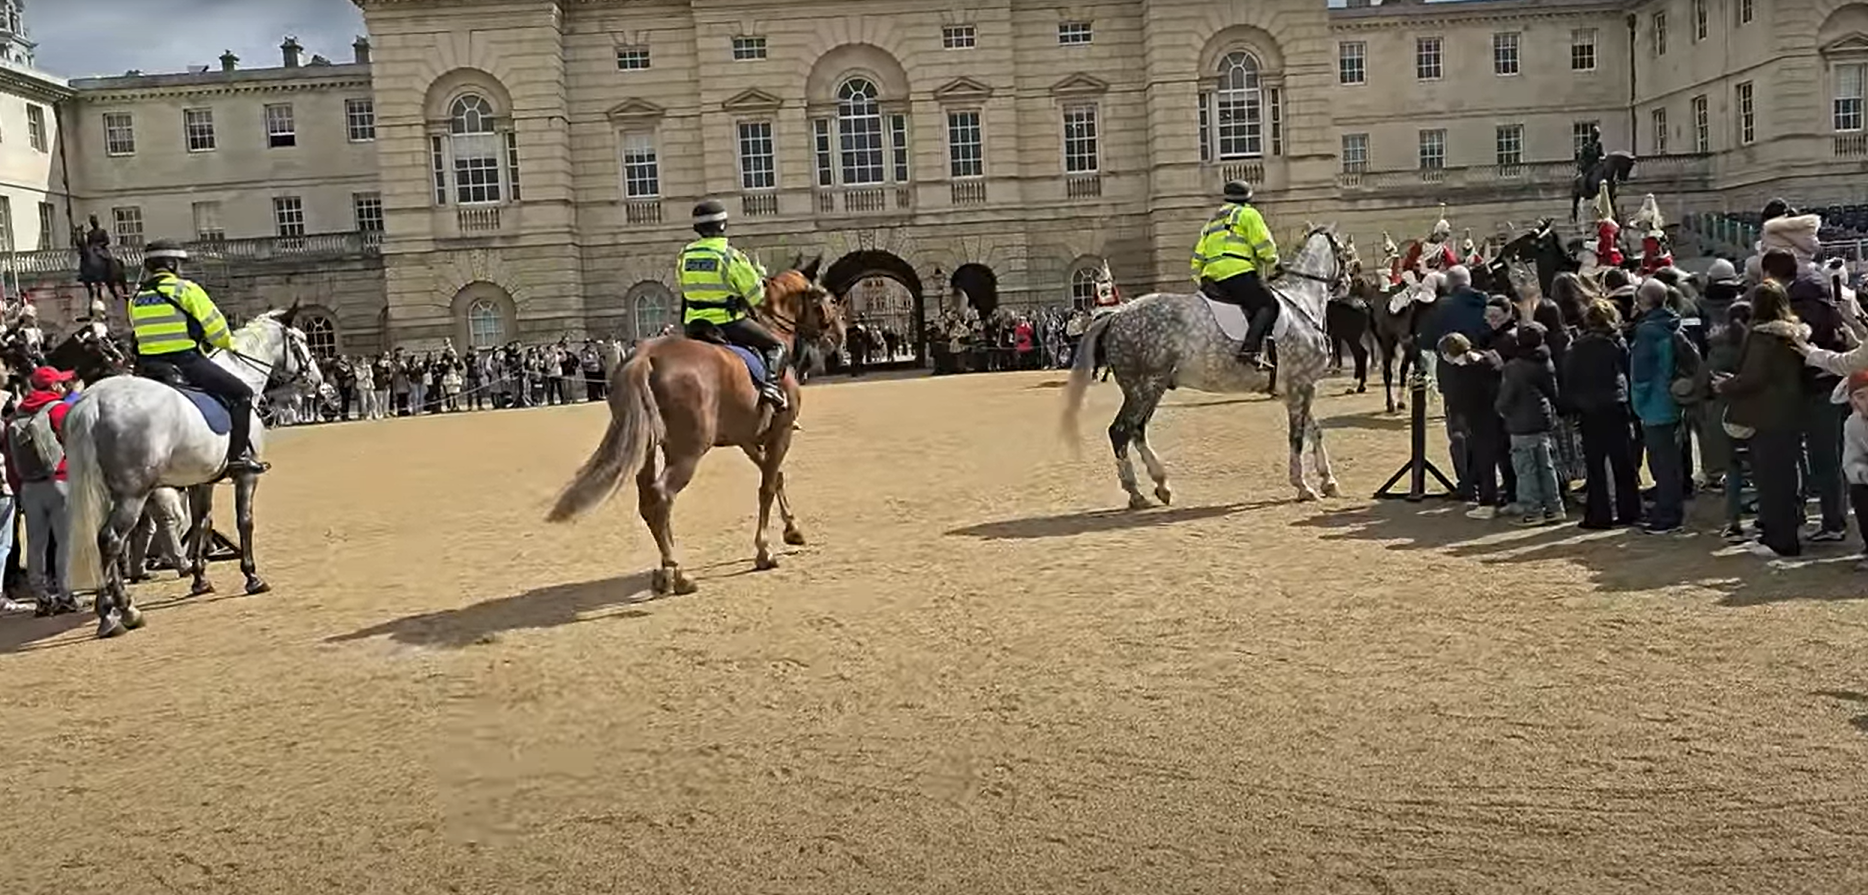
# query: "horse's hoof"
{"type": "Point", "coordinates": [201, 589]}
{"type": "Point", "coordinates": [683, 584]}
{"type": "Point", "coordinates": [794, 537]}
{"type": "Point", "coordinates": [1163, 494]}
{"type": "Point", "coordinates": [764, 563]}
{"type": "Point", "coordinates": [1306, 495]}
{"type": "Point", "coordinates": [1138, 502]}
{"type": "Point", "coordinates": [255, 586]}
{"type": "Point", "coordinates": [1362, 388]}
{"type": "Point", "coordinates": [110, 626]}
{"type": "Point", "coordinates": [1330, 489]}
{"type": "Point", "coordinates": [132, 618]}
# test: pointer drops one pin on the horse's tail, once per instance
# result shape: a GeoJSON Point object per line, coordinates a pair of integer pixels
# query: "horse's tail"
{"type": "Point", "coordinates": [89, 500]}
{"type": "Point", "coordinates": [635, 429]}
{"type": "Point", "coordinates": [1082, 366]}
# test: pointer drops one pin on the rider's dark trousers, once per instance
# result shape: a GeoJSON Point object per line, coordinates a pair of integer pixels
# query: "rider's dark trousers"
{"type": "Point", "coordinates": [209, 377]}
{"type": "Point", "coordinates": [752, 335]}
{"type": "Point", "coordinates": [1248, 291]}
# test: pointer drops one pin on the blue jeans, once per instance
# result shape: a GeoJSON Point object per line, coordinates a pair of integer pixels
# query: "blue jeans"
{"type": "Point", "coordinates": [1737, 465]}
{"type": "Point", "coordinates": [1664, 464]}
{"type": "Point", "coordinates": [1537, 474]}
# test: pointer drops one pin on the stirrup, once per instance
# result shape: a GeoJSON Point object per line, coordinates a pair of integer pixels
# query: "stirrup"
{"type": "Point", "coordinates": [775, 395]}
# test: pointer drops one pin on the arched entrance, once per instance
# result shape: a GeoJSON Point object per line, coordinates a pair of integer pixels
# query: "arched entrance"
{"type": "Point", "coordinates": [884, 292]}
{"type": "Point", "coordinates": [979, 285]}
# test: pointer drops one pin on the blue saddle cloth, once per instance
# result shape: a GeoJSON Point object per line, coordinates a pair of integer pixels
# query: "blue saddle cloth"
{"type": "Point", "coordinates": [754, 363]}
{"type": "Point", "coordinates": [216, 414]}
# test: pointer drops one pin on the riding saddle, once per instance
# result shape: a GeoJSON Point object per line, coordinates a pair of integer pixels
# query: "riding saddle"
{"type": "Point", "coordinates": [214, 411]}
{"type": "Point", "coordinates": [705, 331]}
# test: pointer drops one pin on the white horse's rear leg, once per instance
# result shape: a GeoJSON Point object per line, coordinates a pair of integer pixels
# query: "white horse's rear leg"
{"type": "Point", "coordinates": [115, 613]}
{"type": "Point", "coordinates": [1299, 424]}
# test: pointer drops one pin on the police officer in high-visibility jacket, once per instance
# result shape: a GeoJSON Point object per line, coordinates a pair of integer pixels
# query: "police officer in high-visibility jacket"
{"type": "Point", "coordinates": [1235, 253]}
{"type": "Point", "coordinates": [175, 322]}
{"type": "Point", "coordinates": [719, 287]}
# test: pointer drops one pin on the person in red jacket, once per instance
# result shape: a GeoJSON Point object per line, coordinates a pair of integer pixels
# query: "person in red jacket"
{"type": "Point", "coordinates": [33, 441]}
{"type": "Point", "coordinates": [1608, 233]}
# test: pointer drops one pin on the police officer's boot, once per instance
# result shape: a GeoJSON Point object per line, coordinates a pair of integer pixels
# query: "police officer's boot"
{"type": "Point", "coordinates": [240, 459]}
{"type": "Point", "coordinates": [774, 389]}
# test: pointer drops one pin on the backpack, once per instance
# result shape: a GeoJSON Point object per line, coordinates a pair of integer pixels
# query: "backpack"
{"type": "Point", "coordinates": [1691, 381]}
{"type": "Point", "coordinates": [36, 452]}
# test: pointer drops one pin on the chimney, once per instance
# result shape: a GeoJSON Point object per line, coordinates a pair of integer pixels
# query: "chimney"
{"type": "Point", "coordinates": [290, 50]}
{"type": "Point", "coordinates": [229, 61]}
{"type": "Point", "coordinates": [362, 46]}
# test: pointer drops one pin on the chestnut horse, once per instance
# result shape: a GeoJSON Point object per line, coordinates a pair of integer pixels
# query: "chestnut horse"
{"type": "Point", "coordinates": [688, 396]}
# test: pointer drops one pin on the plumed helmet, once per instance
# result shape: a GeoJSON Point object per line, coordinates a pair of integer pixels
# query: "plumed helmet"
{"type": "Point", "coordinates": [163, 250]}
{"type": "Point", "coordinates": [1605, 209]}
{"type": "Point", "coordinates": [709, 212]}
{"type": "Point", "coordinates": [1238, 191]}
{"type": "Point", "coordinates": [1441, 229]}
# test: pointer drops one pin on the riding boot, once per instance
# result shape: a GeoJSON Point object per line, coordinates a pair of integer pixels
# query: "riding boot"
{"type": "Point", "coordinates": [1255, 335]}
{"type": "Point", "coordinates": [774, 390]}
{"type": "Point", "coordinates": [240, 457]}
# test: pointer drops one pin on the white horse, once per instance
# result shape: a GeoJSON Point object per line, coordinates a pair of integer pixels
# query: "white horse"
{"type": "Point", "coordinates": [127, 436]}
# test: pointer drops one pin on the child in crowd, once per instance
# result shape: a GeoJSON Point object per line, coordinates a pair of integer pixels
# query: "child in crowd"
{"type": "Point", "coordinates": [1855, 455]}
{"type": "Point", "coordinates": [1470, 384]}
{"type": "Point", "coordinates": [1527, 398]}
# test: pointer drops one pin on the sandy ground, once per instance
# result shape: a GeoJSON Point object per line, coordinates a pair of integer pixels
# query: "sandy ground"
{"type": "Point", "coordinates": [978, 678]}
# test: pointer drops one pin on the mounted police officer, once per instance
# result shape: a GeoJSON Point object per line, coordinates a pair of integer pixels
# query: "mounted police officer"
{"type": "Point", "coordinates": [1235, 254]}
{"type": "Point", "coordinates": [175, 323]}
{"type": "Point", "coordinates": [719, 288]}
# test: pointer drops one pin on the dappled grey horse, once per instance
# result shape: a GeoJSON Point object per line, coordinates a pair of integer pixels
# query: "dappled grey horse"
{"type": "Point", "coordinates": [1163, 341]}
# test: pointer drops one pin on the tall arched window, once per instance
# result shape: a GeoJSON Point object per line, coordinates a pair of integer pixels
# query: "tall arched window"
{"type": "Point", "coordinates": [475, 148]}
{"type": "Point", "coordinates": [1083, 288]}
{"type": "Point", "coordinates": [1239, 108]}
{"type": "Point", "coordinates": [485, 328]}
{"type": "Point", "coordinates": [320, 336]}
{"type": "Point", "coordinates": [859, 131]}
{"type": "Point", "coordinates": [654, 309]}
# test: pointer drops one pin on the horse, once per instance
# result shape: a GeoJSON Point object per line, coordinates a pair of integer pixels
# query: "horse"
{"type": "Point", "coordinates": [1541, 247]}
{"type": "Point", "coordinates": [99, 270]}
{"type": "Point", "coordinates": [1164, 341]}
{"type": "Point", "coordinates": [91, 353]}
{"type": "Point", "coordinates": [1614, 169]}
{"type": "Point", "coordinates": [129, 435]}
{"type": "Point", "coordinates": [1350, 322]}
{"type": "Point", "coordinates": [686, 396]}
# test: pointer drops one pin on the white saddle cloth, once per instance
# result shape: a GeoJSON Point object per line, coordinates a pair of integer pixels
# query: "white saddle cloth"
{"type": "Point", "coordinates": [1231, 319]}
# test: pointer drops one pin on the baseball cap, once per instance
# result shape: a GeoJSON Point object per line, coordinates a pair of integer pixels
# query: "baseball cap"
{"type": "Point", "coordinates": [46, 377]}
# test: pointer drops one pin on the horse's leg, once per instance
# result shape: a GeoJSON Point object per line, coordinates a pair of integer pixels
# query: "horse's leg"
{"type": "Point", "coordinates": [793, 534]}
{"type": "Point", "coordinates": [1298, 422]}
{"type": "Point", "coordinates": [1319, 456]}
{"type": "Point", "coordinates": [200, 536]}
{"type": "Point", "coordinates": [115, 614]}
{"type": "Point", "coordinates": [1360, 348]}
{"type": "Point", "coordinates": [1404, 348]}
{"type": "Point", "coordinates": [771, 481]}
{"type": "Point", "coordinates": [656, 497]}
{"type": "Point", "coordinates": [1138, 401]}
{"type": "Point", "coordinates": [1156, 469]}
{"type": "Point", "coordinates": [244, 486]}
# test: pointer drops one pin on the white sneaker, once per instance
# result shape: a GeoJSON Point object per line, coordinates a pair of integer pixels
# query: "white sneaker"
{"type": "Point", "coordinates": [1482, 513]}
{"type": "Point", "coordinates": [8, 605]}
{"type": "Point", "coordinates": [1757, 549]}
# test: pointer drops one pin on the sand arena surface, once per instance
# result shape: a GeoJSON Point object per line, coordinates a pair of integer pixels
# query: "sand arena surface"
{"type": "Point", "coordinates": [980, 677]}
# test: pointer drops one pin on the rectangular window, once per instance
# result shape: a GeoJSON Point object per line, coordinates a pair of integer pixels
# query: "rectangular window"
{"type": "Point", "coordinates": [119, 133]}
{"type": "Point", "coordinates": [288, 216]}
{"type": "Point", "coordinates": [48, 224]}
{"type": "Point", "coordinates": [1355, 153]}
{"type": "Point", "coordinates": [438, 162]}
{"type": "Point", "coordinates": [36, 133]}
{"type": "Point", "coordinates": [826, 163]}
{"type": "Point", "coordinates": [632, 58]}
{"type": "Point", "coordinates": [898, 144]}
{"type": "Point", "coordinates": [1702, 125]}
{"type": "Point", "coordinates": [1509, 144]}
{"type": "Point", "coordinates": [642, 172]}
{"type": "Point", "coordinates": [367, 209]}
{"type": "Point", "coordinates": [1081, 155]}
{"type": "Point", "coordinates": [1583, 49]}
{"type": "Point", "coordinates": [1505, 53]}
{"type": "Point", "coordinates": [1432, 150]}
{"type": "Point", "coordinates": [128, 224]}
{"type": "Point", "coordinates": [958, 37]}
{"type": "Point", "coordinates": [966, 152]}
{"type": "Point", "coordinates": [208, 226]}
{"type": "Point", "coordinates": [748, 49]}
{"type": "Point", "coordinates": [1747, 120]}
{"type": "Point", "coordinates": [198, 127]}
{"type": "Point", "coordinates": [859, 137]}
{"type": "Point", "coordinates": [1699, 20]}
{"type": "Point", "coordinates": [1846, 109]}
{"type": "Point", "coordinates": [1075, 34]}
{"type": "Point", "coordinates": [512, 163]}
{"type": "Point", "coordinates": [1352, 60]}
{"type": "Point", "coordinates": [6, 224]}
{"type": "Point", "coordinates": [1660, 33]}
{"type": "Point", "coordinates": [280, 131]}
{"type": "Point", "coordinates": [1659, 117]}
{"type": "Point", "coordinates": [758, 165]}
{"type": "Point", "coordinates": [1579, 135]}
{"type": "Point", "coordinates": [1746, 12]}
{"type": "Point", "coordinates": [1275, 102]}
{"type": "Point", "coordinates": [360, 120]}
{"type": "Point", "coordinates": [1206, 127]}
{"type": "Point", "coordinates": [1239, 119]}
{"type": "Point", "coordinates": [1427, 59]}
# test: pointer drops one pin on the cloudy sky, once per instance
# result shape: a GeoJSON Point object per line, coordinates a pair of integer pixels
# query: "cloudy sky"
{"type": "Point", "coordinates": [80, 38]}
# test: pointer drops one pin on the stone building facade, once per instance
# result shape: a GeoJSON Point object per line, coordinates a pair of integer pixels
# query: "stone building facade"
{"type": "Point", "coordinates": [528, 165]}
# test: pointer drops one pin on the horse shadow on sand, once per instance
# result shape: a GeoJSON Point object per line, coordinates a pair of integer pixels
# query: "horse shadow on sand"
{"type": "Point", "coordinates": [544, 607]}
{"type": "Point", "coordinates": [1091, 521]}
{"type": "Point", "coordinates": [1857, 699]}
{"type": "Point", "coordinates": [1618, 561]}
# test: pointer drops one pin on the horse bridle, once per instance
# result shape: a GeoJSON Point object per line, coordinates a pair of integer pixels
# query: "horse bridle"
{"type": "Point", "coordinates": [1336, 253]}
{"type": "Point", "coordinates": [294, 355]}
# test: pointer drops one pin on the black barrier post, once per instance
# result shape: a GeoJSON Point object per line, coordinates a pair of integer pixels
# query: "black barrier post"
{"type": "Point", "coordinates": [1417, 467]}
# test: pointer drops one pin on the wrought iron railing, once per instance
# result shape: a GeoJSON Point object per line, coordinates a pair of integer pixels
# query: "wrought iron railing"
{"type": "Point", "coordinates": [265, 248]}
{"type": "Point", "coordinates": [1659, 167]}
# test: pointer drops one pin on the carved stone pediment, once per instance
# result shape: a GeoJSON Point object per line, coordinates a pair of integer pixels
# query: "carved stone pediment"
{"type": "Point", "coordinates": [633, 109]}
{"type": "Point", "coordinates": [963, 90]}
{"type": "Point", "coordinates": [1852, 44]}
{"type": "Point", "coordinates": [752, 100]}
{"type": "Point", "coordinates": [1080, 84]}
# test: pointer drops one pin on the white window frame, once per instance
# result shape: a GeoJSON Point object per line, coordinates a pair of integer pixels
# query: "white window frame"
{"type": "Point", "coordinates": [360, 119]}
{"type": "Point", "coordinates": [1434, 138]}
{"type": "Point", "coordinates": [1088, 144]}
{"type": "Point", "coordinates": [1507, 54]}
{"type": "Point", "coordinates": [1585, 54]}
{"type": "Point", "coordinates": [486, 324]}
{"type": "Point", "coordinates": [1237, 109]}
{"type": "Point", "coordinates": [862, 134]}
{"type": "Point", "coordinates": [1579, 134]}
{"type": "Point", "coordinates": [48, 224]}
{"type": "Point", "coordinates": [634, 57]}
{"type": "Point", "coordinates": [757, 140]}
{"type": "Point", "coordinates": [473, 145]}
{"type": "Point", "coordinates": [207, 218]}
{"type": "Point", "coordinates": [1657, 122]}
{"type": "Point", "coordinates": [288, 214]}
{"type": "Point", "coordinates": [966, 144]}
{"type": "Point", "coordinates": [126, 224]}
{"type": "Point", "coordinates": [281, 128]}
{"type": "Point", "coordinates": [1429, 58]}
{"type": "Point", "coordinates": [1702, 124]}
{"type": "Point", "coordinates": [38, 132]}
{"type": "Point", "coordinates": [1508, 145]}
{"type": "Point", "coordinates": [7, 234]}
{"type": "Point", "coordinates": [1747, 10]}
{"type": "Point", "coordinates": [1080, 33]}
{"type": "Point", "coordinates": [750, 48]}
{"type": "Point", "coordinates": [963, 36]}
{"type": "Point", "coordinates": [1352, 63]}
{"type": "Point", "coordinates": [1083, 283]}
{"type": "Point", "coordinates": [1745, 102]}
{"type": "Point", "coordinates": [1657, 32]}
{"type": "Point", "coordinates": [119, 134]}
{"type": "Point", "coordinates": [1702, 25]}
{"type": "Point", "coordinates": [1845, 111]}
{"type": "Point", "coordinates": [641, 164]}
{"type": "Point", "coordinates": [367, 208]}
{"type": "Point", "coordinates": [1355, 153]}
{"type": "Point", "coordinates": [198, 130]}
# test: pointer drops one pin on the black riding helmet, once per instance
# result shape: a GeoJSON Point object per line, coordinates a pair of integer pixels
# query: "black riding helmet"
{"type": "Point", "coordinates": [1238, 191]}
{"type": "Point", "coordinates": [164, 254]}
{"type": "Point", "coordinates": [710, 217]}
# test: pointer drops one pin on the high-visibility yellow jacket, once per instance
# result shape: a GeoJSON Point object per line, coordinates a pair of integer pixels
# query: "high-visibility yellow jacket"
{"type": "Point", "coordinates": [170, 314]}
{"type": "Point", "coordinates": [1236, 240]}
{"type": "Point", "coordinates": [719, 283]}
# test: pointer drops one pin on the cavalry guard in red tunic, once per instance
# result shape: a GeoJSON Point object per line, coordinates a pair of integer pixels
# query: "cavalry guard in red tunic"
{"type": "Point", "coordinates": [1655, 252]}
{"type": "Point", "coordinates": [1608, 233]}
{"type": "Point", "coordinates": [1437, 252]}
{"type": "Point", "coordinates": [1474, 260]}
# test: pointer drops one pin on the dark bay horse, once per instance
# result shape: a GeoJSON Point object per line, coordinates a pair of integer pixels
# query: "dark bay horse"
{"type": "Point", "coordinates": [1613, 169]}
{"type": "Point", "coordinates": [685, 397]}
